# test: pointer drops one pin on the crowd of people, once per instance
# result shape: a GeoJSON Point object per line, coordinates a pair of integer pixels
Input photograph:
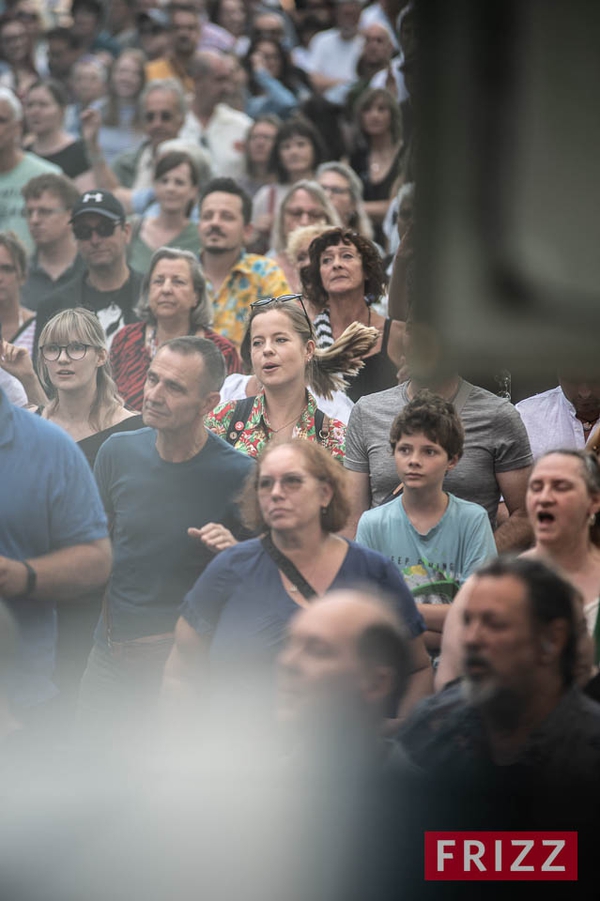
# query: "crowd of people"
{"type": "Point", "coordinates": [252, 523]}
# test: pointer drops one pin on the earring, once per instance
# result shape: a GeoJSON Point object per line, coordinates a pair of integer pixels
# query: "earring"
{"type": "Point", "coordinates": [592, 519]}
{"type": "Point", "coordinates": [324, 510]}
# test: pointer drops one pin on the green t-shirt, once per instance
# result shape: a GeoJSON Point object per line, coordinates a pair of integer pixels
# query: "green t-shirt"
{"type": "Point", "coordinates": [434, 565]}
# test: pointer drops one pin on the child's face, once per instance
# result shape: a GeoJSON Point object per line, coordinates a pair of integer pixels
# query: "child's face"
{"type": "Point", "coordinates": [420, 462]}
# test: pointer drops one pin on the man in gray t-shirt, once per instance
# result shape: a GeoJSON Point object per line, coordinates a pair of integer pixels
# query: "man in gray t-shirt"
{"type": "Point", "coordinates": [496, 460]}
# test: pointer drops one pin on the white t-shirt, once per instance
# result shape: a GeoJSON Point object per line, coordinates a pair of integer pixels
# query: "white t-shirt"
{"type": "Point", "coordinates": [224, 137]}
{"type": "Point", "coordinates": [551, 422]}
{"type": "Point", "coordinates": [13, 389]}
{"type": "Point", "coordinates": [332, 56]}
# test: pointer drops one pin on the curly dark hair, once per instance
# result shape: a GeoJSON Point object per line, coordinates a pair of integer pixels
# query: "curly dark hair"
{"type": "Point", "coordinates": [321, 465]}
{"type": "Point", "coordinates": [435, 418]}
{"type": "Point", "coordinates": [297, 126]}
{"type": "Point", "coordinates": [371, 260]}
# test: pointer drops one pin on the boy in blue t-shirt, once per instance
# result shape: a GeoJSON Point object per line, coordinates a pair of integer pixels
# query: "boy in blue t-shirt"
{"type": "Point", "coordinates": [435, 538]}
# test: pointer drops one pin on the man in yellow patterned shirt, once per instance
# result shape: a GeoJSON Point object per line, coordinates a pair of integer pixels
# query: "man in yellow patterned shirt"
{"type": "Point", "coordinates": [234, 278]}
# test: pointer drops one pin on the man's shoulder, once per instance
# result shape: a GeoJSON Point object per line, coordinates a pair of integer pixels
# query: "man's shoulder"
{"type": "Point", "coordinates": [258, 265]}
{"type": "Point", "coordinates": [126, 444]}
{"type": "Point", "coordinates": [227, 114]}
{"type": "Point", "coordinates": [221, 454]}
{"type": "Point", "coordinates": [546, 400]}
{"type": "Point", "coordinates": [32, 165]}
{"type": "Point", "coordinates": [482, 399]}
{"type": "Point", "coordinates": [324, 39]}
{"type": "Point", "coordinates": [68, 295]}
{"type": "Point", "coordinates": [389, 401]}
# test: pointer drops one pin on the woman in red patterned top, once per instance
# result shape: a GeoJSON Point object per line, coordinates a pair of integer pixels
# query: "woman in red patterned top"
{"type": "Point", "coordinates": [173, 303]}
{"type": "Point", "coordinates": [279, 345]}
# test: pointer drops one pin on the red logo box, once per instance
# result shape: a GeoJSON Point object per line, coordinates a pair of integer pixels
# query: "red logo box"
{"type": "Point", "coordinates": [491, 856]}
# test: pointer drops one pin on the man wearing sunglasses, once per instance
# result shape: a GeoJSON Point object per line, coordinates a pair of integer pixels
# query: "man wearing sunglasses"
{"type": "Point", "coordinates": [107, 285]}
{"type": "Point", "coordinates": [163, 109]}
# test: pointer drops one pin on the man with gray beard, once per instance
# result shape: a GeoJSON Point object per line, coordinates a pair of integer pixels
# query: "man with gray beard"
{"type": "Point", "coordinates": [514, 744]}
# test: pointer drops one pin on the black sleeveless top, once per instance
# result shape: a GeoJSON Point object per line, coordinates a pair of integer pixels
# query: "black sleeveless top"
{"type": "Point", "coordinates": [378, 373]}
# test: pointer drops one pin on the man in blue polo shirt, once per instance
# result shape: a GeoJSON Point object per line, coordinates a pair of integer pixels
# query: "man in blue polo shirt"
{"type": "Point", "coordinates": [54, 543]}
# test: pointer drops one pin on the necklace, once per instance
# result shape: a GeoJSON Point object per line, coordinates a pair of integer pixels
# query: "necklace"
{"type": "Point", "coordinates": [588, 426]}
{"type": "Point", "coordinates": [286, 424]}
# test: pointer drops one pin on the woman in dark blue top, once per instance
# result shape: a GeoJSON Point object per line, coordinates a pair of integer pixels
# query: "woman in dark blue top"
{"type": "Point", "coordinates": [235, 616]}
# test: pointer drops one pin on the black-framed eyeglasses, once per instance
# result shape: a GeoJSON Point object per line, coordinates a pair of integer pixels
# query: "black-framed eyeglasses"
{"type": "Point", "coordinates": [103, 229]}
{"type": "Point", "coordinates": [283, 298]}
{"type": "Point", "coordinates": [76, 350]}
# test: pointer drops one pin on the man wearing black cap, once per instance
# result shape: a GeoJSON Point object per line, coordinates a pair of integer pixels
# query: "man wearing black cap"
{"type": "Point", "coordinates": [107, 286]}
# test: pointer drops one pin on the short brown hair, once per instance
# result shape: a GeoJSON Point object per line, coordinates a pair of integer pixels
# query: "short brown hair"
{"type": "Point", "coordinates": [435, 417]}
{"type": "Point", "coordinates": [371, 260]}
{"type": "Point", "coordinates": [321, 465]}
{"type": "Point", "coordinates": [55, 183]}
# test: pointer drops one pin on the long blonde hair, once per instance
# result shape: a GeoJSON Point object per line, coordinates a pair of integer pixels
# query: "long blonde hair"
{"type": "Point", "coordinates": [81, 325]}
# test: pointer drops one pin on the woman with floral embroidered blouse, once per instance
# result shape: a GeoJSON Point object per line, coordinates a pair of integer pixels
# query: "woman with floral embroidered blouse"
{"type": "Point", "coordinates": [279, 346]}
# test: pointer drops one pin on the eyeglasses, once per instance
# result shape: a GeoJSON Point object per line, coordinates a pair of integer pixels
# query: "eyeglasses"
{"type": "Point", "coordinates": [312, 215]}
{"type": "Point", "coordinates": [288, 483]}
{"type": "Point", "coordinates": [283, 298]}
{"type": "Point", "coordinates": [75, 351]}
{"type": "Point", "coordinates": [335, 190]}
{"type": "Point", "coordinates": [103, 229]}
{"type": "Point", "coordinates": [42, 211]}
{"type": "Point", "coordinates": [164, 115]}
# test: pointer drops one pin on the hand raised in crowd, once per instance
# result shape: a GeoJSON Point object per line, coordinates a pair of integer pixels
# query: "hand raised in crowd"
{"type": "Point", "coordinates": [16, 361]}
{"type": "Point", "coordinates": [258, 61]}
{"type": "Point", "coordinates": [215, 536]}
{"type": "Point", "coordinates": [90, 120]}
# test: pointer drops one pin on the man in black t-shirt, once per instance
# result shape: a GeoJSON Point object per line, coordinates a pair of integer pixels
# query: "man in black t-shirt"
{"type": "Point", "coordinates": [107, 286]}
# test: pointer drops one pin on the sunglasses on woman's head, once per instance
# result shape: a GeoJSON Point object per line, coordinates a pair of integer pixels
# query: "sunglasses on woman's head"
{"type": "Point", "coordinates": [283, 298]}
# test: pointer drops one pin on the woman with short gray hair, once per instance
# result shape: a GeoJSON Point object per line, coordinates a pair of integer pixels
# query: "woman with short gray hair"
{"type": "Point", "coordinates": [173, 303]}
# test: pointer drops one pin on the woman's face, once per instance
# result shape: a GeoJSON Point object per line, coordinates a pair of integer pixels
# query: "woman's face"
{"type": "Point", "coordinates": [376, 118]}
{"type": "Point", "coordinates": [42, 112]}
{"type": "Point", "coordinates": [302, 209]}
{"type": "Point", "coordinates": [297, 156]}
{"type": "Point", "coordinates": [69, 375]}
{"type": "Point", "coordinates": [279, 355]}
{"type": "Point", "coordinates": [87, 82]}
{"type": "Point", "coordinates": [341, 269]}
{"type": "Point", "coordinates": [175, 189]}
{"type": "Point", "coordinates": [171, 295]}
{"type": "Point", "coordinates": [289, 495]}
{"type": "Point", "coordinates": [10, 279]}
{"type": "Point", "coordinates": [126, 78]}
{"type": "Point", "coordinates": [559, 504]}
{"type": "Point", "coordinates": [271, 57]}
{"type": "Point", "coordinates": [338, 191]}
{"type": "Point", "coordinates": [260, 142]}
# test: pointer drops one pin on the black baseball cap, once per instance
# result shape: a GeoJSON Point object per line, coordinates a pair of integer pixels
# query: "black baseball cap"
{"type": "Point", "coordinates": [103, 203]}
